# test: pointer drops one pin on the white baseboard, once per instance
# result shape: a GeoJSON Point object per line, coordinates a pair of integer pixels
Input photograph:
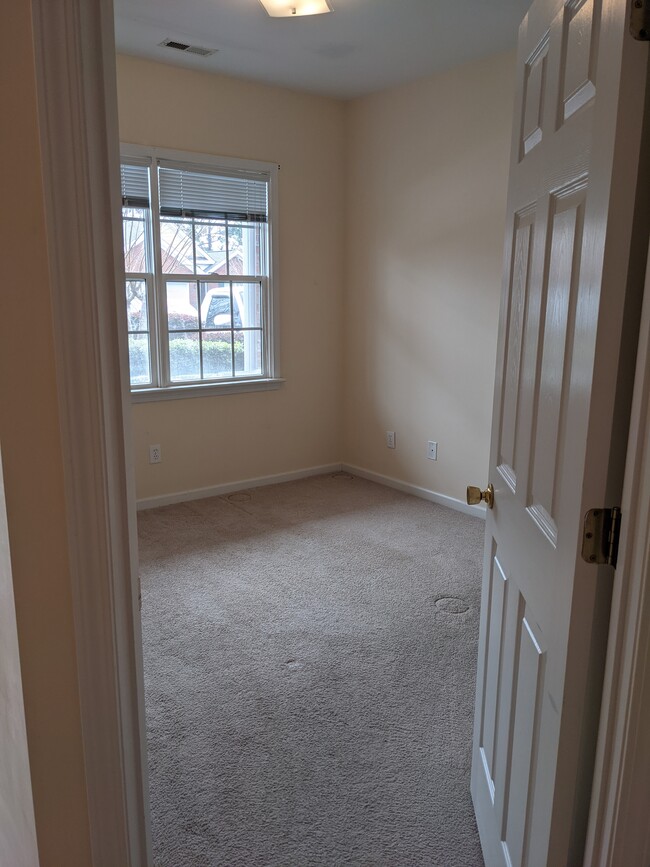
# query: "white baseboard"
{"type": "Point", "coordinates": [231, 487]}
{"type": "Point", "coordinates": [261, 481]}
{"type": "Point", "coordinates": [416, 491]}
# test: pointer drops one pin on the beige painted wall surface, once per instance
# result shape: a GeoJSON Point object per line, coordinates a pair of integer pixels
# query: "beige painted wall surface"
{"type": "Point", "coordinates": [214, 440]}
{"type": "Point", "coordinates": [33, 473]}
{"type": "Point", "coordinates": [427, 173]}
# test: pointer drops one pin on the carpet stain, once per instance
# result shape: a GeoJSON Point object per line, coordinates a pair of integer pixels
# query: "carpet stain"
{"type": "Point", "coordinates": [239, 497]}
{"type": "Point", "coordinates": [293, 664]}
{"type": "Point", "coordinates": [452, 605]}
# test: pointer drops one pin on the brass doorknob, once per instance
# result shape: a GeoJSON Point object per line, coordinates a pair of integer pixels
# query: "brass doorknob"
{"type": "Point", "coordinates": [475, 495]}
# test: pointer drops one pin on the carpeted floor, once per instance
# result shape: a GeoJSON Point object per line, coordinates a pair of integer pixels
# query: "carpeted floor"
{"type": "Point", "coordinates": [309, 655]}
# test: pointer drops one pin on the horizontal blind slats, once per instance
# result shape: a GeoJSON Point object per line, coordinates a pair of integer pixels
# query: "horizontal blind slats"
{"type": "Point", "coordinates": [135, 185]}
{"type": "Point", "coordinates": [202, 194]}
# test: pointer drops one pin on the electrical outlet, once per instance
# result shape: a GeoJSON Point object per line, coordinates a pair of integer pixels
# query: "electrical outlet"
{"type": "Point", "coordinates": [155, 454]}
{"type": "Point", "coordinates": [390, 439]}
{"type": "Point", "coordinates": [432, 450]}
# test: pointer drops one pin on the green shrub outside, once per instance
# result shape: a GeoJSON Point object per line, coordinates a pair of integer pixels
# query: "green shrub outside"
{"type": "Point", "coordinates": [184, 354]}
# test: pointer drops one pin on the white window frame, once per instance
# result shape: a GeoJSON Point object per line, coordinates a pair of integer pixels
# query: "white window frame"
{"type": "Point", "coordinates": [164, 389]}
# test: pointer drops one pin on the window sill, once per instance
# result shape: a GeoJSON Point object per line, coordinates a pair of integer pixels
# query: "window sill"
{"type": "Point", "coordinates": [184, 392]}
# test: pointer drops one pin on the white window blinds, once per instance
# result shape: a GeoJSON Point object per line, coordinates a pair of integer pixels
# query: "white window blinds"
{"type": "Point", "coordinates": [185, 193]}
{"type": "Point", "coordinates": [135, 185]}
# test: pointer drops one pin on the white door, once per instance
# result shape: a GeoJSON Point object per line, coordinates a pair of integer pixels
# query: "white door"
{"type": "Point", "coordinates": [556, 450]}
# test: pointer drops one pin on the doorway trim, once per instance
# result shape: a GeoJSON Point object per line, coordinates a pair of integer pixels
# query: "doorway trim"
{"type": "Point", "coordinates": [618, 828]}
{"type": "Point", "coordinates": [74, 53]}
{"type": "Point", "coordinates": [75, 63]}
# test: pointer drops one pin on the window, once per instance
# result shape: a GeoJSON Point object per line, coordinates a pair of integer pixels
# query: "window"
{"type": "Point", "coordinates": [198, 272]}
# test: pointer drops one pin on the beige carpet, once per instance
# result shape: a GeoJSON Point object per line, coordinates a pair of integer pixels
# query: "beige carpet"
{"type": "Point", "coordinates": [309, 667]}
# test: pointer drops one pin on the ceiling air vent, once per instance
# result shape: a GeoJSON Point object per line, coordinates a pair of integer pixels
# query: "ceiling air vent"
{"type": "Point", "coordinates": [188, 49]}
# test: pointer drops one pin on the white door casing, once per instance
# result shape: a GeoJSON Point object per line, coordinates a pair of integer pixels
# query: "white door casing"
{"type": "Point", "coordinates": [17, 825]}
{"type": "Point", "coordinates": [619, 832]}
{"type": "Point", "coordinates": [74, 54]}
{"type": "Point", "coordinates": [557, 440]}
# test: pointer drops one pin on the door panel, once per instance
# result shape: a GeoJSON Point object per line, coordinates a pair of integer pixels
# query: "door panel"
{"type": "Point", "coordinates": [493, 675]}
{"type": "Point", "coordinates": [571, 203]}
{"type": "Point", "coordinates": [534, 96]}
{"type": "Point", "coordinates": [558, 291]}
{"type": "Point", "coordinates": [524, 736]}
{"type": "Point", "coordinates": [579, 57]}
{"type": "Point", "coordinates": [509, 456]}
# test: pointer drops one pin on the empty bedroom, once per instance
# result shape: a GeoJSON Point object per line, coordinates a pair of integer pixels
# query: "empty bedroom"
{"type": "Point", "coordinates": [324, 429]}
{"type": "Point", "coordinates": [310, 571]}
{"type": "Point", "coordinates": [314, 205]}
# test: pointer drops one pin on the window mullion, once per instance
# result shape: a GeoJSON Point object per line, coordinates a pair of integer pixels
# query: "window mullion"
{"type": "Point", "coordinates": [153, 343]}
{"type": "Point", "coordinates": [199, 301]}
{"type": "Point", "coordinates": [269, 241]}
{"type": "Point", "coordinates": [266, 323]}
{"type": "Point", "coordinates": [149, 283]}
{"type": "Point", "coordinates": [232, 331]}
{"type": "Point", "coordinates": [226, 225]}
{"type": "Point", "coordinates": [160, 287]}
{"type": "Point", "coordinates": [232, 302]}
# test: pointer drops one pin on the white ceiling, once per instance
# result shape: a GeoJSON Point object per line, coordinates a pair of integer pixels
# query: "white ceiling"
{"type": "Point", "coordinates": [363, 46]}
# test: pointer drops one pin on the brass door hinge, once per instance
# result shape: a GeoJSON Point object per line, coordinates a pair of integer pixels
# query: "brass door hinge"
{"type": "Point", "coordinates": [601, 534]}
{"type": "Point", "coordinates": [640, 19]}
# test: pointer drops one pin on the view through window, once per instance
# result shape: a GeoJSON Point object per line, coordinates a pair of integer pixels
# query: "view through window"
{"type": "Point", "coordinates": [197, 259]}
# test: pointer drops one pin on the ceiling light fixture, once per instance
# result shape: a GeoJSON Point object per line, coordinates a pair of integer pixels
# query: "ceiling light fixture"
{"type": "Point", "coordinates": [294, 8]}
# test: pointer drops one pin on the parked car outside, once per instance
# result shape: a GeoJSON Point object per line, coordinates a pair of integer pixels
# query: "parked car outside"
{"type": "Point", "coordinates": [215, 309]}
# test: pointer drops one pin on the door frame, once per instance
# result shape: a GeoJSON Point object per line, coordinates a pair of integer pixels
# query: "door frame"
{"type": "Point", "coordinates": [618, 829]}
{"type": "Point", "coordinates": [74, 54]}
{"type": "Point", "coordinates": [75, 62]}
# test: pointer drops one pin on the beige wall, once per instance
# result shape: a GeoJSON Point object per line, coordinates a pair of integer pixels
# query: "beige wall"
{"type": "Point", "coordinates": [213, 440]}
{"type": "Point", "coordinates": [427, 174]}
{"type": "Point", "coordinates": [33, 473]}
{"type": "Point", "coordinates": [414, 283]}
